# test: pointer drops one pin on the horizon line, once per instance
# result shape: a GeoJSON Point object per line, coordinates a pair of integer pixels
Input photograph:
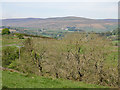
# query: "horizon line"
{"type": "Point", "coordinates": [54, 17]}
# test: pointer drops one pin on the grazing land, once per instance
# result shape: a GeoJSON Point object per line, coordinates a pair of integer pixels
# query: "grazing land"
{"type": "Point", "coordinates": [17, 80]}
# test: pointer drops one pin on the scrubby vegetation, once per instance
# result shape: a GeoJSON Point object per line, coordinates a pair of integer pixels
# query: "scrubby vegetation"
{"type": "Point", "coordinates": [20, 36]}
{"type": "Point", "coordinates": [82, 57]}
{"type": "Point", "coordinates": [9, 55]}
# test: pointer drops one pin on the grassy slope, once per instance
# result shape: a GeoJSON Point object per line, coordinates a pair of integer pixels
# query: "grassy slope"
{"type": "Point", "coordinates": [10, 39]}
{"type": "Point", "coordinates": [17, 80]}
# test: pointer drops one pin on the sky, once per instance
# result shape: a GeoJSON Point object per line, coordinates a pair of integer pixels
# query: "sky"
{"type": "Point", "coordinates": [102, 9]}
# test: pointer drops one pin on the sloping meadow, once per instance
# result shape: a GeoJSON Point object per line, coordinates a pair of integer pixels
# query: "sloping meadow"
{"type": "Point", "coordinates": [81, 57]}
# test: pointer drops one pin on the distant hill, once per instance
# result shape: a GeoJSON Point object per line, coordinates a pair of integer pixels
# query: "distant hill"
{"type": "Point", "coordinates": [61, 23]}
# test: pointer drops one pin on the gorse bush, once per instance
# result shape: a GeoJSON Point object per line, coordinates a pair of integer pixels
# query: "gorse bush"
{"type": "Point", "coordinates": [81, 57]}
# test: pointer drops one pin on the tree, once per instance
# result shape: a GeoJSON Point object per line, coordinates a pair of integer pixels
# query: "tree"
{"type": "Point", "coordinates": [5, 31]}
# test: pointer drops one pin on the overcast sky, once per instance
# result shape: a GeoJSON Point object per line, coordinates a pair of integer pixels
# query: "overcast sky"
{"type": "Point", "coordinates": [35, 9]}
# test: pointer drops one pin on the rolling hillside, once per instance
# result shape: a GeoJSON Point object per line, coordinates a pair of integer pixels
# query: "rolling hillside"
{"type": "Point", "coordinates": [61, 23]}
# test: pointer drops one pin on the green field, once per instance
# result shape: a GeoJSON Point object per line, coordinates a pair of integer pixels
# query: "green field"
{"type": "Point", "coordinates": [17, 80]}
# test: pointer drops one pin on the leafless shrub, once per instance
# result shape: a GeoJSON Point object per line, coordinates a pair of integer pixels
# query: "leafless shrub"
{"type": "Point", "coordinates": [81, 57]}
